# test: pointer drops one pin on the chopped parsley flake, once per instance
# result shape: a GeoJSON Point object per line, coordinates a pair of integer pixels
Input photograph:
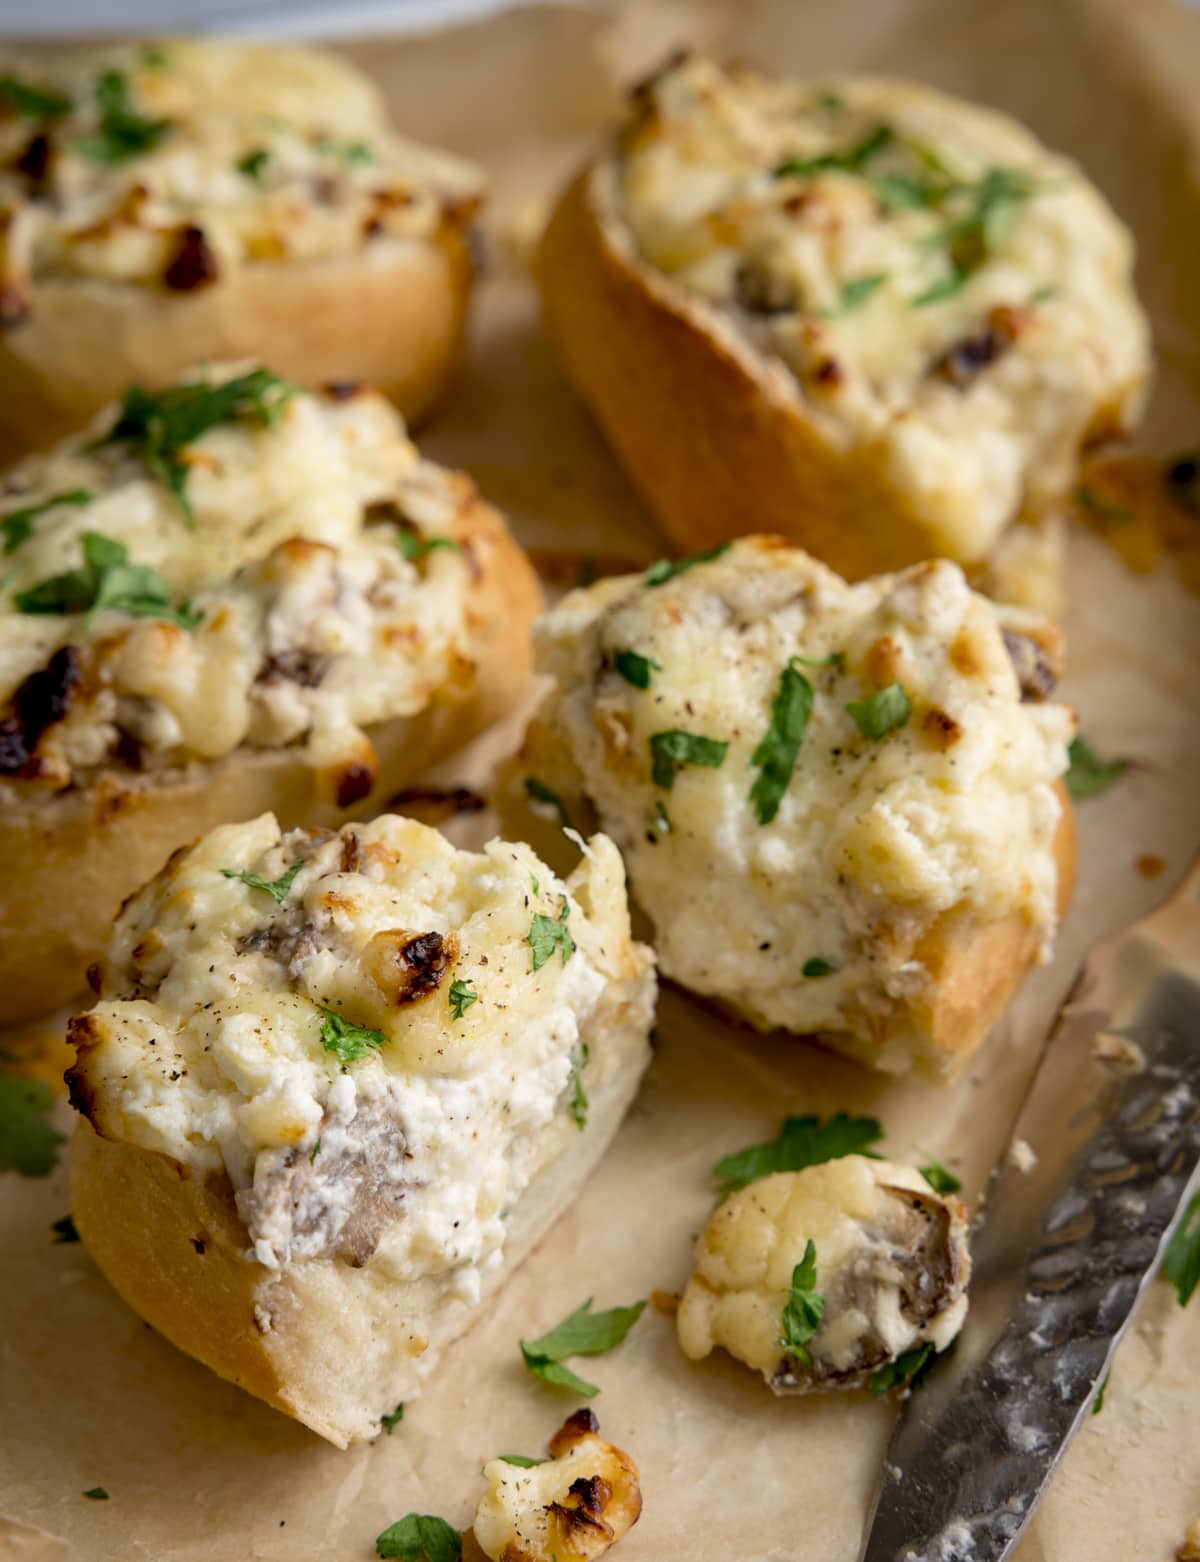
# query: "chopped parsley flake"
{"type": "Point", "coordinates": [314, 1152]}
{"type": "Point", "coordinates": [1088, 773]}
{"type": "Point", "coordinates": [417, 548]}
{"type": "Point", "coordinates": [31, 101]}
{"type": "Point", "coordinates": [854, 294]}
{"type": "Point", "coordinates": [254, 164]}
{"type": "Point", "coordinates": [777, 752]}
{"type": "Point", "coordinates": [157, 426]}
{"type": "Point", "coordinates": [522, 1461]}
{"type": "Point", "coordinates": [96, 1493]}
{"type": "Point", "coordinates": [348, 151]}
{"type": "Point", "coordinates": [881, 713]}
{"type": "Point", "coordinates": [805, 1307]}
{"type": "Point", "coordinates": [122, 132]}
{"type": "Point", "coordinates": [903, 1372]}
{"type": "Point", "coordinates": [1098, 1402]}
{"type": "Point", "coordinates": [817, 967]}
{"type": "Point", "coordinates": [462, 996]}
{"type": "Point", "coordinates": [584, 1333]}
{"type": "Point", "coordinates": [17, 525]}
{"type": "Point", "coordinates": [852, 161]}
{"type": "Point", "coordinates": [538, 792]}
{"type": "Point", "coordinates": [28, 1142]}
{"type": "Point", "coordinates": [393, 1420]}
{"type": "Point", "coordinates": [801, 1142]}
{"type": "Point", "coordinates": [349, 1042]}
{"type": "Point", "coordinates": [940, 1178]}
{"type": "Point", "coordinates": [635, 669]}
{"type": "Point", "coordinates": [658, 574]}
{"type": "Point", "coordinates": [420, 1537]}
{"type": "Point", "coordinates": [670, 751]}
{"type": "Point", "coordinates": [277, 888]}
{"type": "Point", "coordinates": [106, 581]}
{"type": "Point", "coordinates": [1182, 1263]}
{"type": "Point", "coordinates": [548, 934]}
{"type": "Point", "coordinates": [579, 1100]}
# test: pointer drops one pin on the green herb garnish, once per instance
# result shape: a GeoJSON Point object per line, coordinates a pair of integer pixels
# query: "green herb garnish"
{"type": "Point", "coordinates": [973, 239]}
{"type": "Point", "coordinates": [1100, 505]}
{"type": "Point", "coordinates": [314, 1152]}
{"type": "Point", "coordinates": [776, 754]}
{"type": "Point", "coordinates": [635, 669]}
{"type": "Point", "coordinates": [881, 713]}
{"type": "Point", "coordinates": [584, 1333]}
{"type": "Point", "coordinates": [903, 1371]}
{"type": "Point", "coordinates": [107, 581]}
{"type": "Point", "coordinates": [17, 525]}
{"type": "Point", "coordinates": [851, 161]}
{"type": "Point", "coordinates": [538, 792]}
{"type": "Point", "coordinates": [953, 283]}
{"type": "Point", "coordinates": [420, 1537]}
{"type": "Point", "coordinates": [940, 1178]}
{"type": "Point", "coordinates": [348, 151]}
{"type": "Point", "coordinates": [157, 426]}
{"type": "Point", "coordinates": [805, 1307]}
{"type": "Point", "coordinates": [392, 1420]}
{"type": "Point", "coordinates": [64, 1231]}
{"type": "Point", "coordinates": [31, 101]}
{"type": "Point", "coordinates": [579, 1100]}
{"type": "Point", "coordinates": [660, 820]}
{"type": "Point", "coordinates": [1182, 1263]}
{"type": "Point", "coordinates": [96, 1493]}
{"type": "Point", "coordinates": [349, 1042]}
{"type": "Point", "coordinates": [462, 996]}
{"type": "Point", "coordinates": [658, 574]}
{"type": "Point", "coordinates": [854, 294]}
{"type": "Point", "coordinates": [254, 164]}
{"type": "Point", "coordinates": [28, 1142]}
{"type": "Point", "coordinates": [522, 1461]}
{"type": "Point", "coordinates": [277, 888]}
{"type": "Point", "coordinates": [417, 548]}
{"type": "Point", "coordinates": [1098, 1402]}
{"type": "Point", "coordinates": [817, 967]}
{"type": "Point", "coordinates": [548, 934]}
{"type": "Point", "coordinates": [122, 132]}
{"type": "Point", "coordinates": [801, 1142]}
{"type": "Point", "coordinates": [670, 751]}
{"type": "Point", "coordinates": [1088, 774]}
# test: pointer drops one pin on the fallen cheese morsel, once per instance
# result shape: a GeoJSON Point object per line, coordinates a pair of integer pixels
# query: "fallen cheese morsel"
{"type": "Point", "coordinates": [891, 1270]}
{"type": "Point", "coordinates": [570, 1508]}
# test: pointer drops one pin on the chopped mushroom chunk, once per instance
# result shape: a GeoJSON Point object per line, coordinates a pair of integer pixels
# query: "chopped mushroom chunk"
{"type": "Point", "coordinates": [570, 1508]}
{"type": "Point", "coordinates": [891, 1268]}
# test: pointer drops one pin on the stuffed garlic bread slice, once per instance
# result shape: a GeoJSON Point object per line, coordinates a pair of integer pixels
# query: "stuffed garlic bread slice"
{"type": "Point", "coordinates": [875, 319]}
{"type": "Point", "coordinates": [840, 805]}
{"type": "Point", "coordinates": [202, 199]}
{"type": "Point", "coordinates": [228, 596]}
{"type": "Point", "coordinates": [337, 1086]}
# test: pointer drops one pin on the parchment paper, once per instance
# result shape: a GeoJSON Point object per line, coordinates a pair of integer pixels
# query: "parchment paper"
{"type": "Point", "coordinates": [200, 1472]}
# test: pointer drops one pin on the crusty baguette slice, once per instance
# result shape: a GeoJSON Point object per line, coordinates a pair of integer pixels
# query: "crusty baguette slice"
{"type": "Point", "coordinates": [771, 345]}
{"type": "Point", "coordinates": [393, 314]}
{"type": "Point", "coordinates": [72, 857]}
{"type": "Point", "coordinates": [907, 880]}
{"type": "Point", "coordinates": [339, 1337]}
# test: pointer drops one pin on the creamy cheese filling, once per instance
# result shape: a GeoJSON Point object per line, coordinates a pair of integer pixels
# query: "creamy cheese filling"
{"type": "Point", "coordinates": [810, 919]}
{"type": "Point", "coordinates": [951, 299]}
{"type": "Point", "coordinates": [176, 161]}
{"type": "Point", "coordinates": [407, 1142]}
{"type": "Point", "coordinates": [315, 583]}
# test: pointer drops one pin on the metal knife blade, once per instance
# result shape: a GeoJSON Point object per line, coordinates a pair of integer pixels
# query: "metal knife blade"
{"type": "Point", "coordinates": [1063, 1250]}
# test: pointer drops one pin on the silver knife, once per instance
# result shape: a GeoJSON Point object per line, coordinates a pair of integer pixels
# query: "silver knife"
{"type": "Point", "coordinates": [1109, 1136]}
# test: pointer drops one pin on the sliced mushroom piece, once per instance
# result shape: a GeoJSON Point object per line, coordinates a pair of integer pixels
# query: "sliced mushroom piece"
{"type": "Point", "coordinates": [569, 1508]}
{"type": "Point", "coordinates": [1035, 651]}
{"type": "Point", "coordinates": [891, 1271]}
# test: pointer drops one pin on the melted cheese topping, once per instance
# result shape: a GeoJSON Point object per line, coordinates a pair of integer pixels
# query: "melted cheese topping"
{"type": "Point", "coordinates": [207, 1042]}
{"type": "Point", "coordinates": [970, 395]}
{"type": "Point", "coordinates": [315, 624]}
{"type": "Point", "coordinates": [874, 839]}
{"type": "Point", "coordinates": [271, 153]}
{"type": "Point", "coordinates": [747, 1254]}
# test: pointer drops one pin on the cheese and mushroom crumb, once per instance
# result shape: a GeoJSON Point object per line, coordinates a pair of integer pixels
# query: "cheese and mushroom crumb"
{"type": "Point", "coordinates": [569, 1508]}
{"type": "Point", "coordinates": [279, 1009]}
{"type": "Point", "coordinates": [891, 1270]}
{"type": "Point", "coordinates": [175, 163]}
{"type": "Point", "coordinates": [807, 777]}
{"type": "Point", "coordinates": [230, 562]}
{"type": "Point", "coordinates": [953, 301]}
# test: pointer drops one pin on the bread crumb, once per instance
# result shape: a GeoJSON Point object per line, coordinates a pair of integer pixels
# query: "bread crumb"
{"type": "Point", "coordinates": [1022, 1156]}
{"type": "Point", "coordinates": [1150, 866]}
{"type": "Point", "coordinates": [1118, 1050]}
